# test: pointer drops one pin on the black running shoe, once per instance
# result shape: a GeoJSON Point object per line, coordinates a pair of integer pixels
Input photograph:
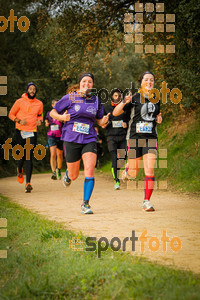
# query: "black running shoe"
{"type": "Point", "coordinates": [53, 176]}
{"type": "Point", "coordinates": [66, 181]}
{"type": "Point", "coordinates": [28, 188]}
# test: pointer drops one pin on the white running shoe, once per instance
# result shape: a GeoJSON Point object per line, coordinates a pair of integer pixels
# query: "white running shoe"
{"type": "Point", "coordinates": [86, 209]}
{"type": "Point", "coordinates": [147, 206]}
{"type": "Point", "coordinates": [117, 185]}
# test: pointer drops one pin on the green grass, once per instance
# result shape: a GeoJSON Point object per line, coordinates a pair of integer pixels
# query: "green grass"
{"type": "Point", "coordinates": [107, 168]}
{"type": "Point", "coordinates": [40, 265]}
{"type": "Point", "coordinates": [183, 156]}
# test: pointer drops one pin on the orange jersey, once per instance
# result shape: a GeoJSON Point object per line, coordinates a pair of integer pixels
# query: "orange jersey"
{"type": "Point", "coordinates": [27, 109]}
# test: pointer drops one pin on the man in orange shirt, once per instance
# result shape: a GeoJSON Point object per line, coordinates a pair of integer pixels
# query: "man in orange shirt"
{"type": "Point", "coordinates": [26, 112]}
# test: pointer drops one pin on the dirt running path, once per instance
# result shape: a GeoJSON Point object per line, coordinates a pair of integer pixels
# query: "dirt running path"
{"type": "Point", "coordinates": [117, 213]}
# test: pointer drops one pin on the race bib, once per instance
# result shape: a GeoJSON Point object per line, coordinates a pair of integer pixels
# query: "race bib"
{"type": "Point", "coordinates": [54, 127]}
{"type": "Point", "coordinates": [117, 124]}
{"type": "Point", "coordinates": [143, 127]}
{"type": "Point", "coordinates": [81, 128]}
{"type": "Point", "coordinates": [26, 134]}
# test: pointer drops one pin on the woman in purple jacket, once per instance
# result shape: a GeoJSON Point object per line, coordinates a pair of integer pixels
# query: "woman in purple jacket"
{"type": "Point", "coordinates": [80, 112]}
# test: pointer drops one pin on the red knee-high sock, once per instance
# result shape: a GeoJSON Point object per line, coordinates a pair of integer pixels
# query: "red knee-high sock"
{"type": "Point", "coordinates": [149, 182]}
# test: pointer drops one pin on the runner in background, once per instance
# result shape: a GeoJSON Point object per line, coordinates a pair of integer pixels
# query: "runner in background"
{"type": "Point", "coordinates": [55, 144]}
{"type": "Point", "coordinates": [142, 134]}
{"type": "Point", "coordinates": [80, 110]}
{"type": "Point", "coordinates": [71, 90]}
{"type": "Point", "coordinates": [115, 132]}
{"type": "Point", "coordinates": [26, 112]}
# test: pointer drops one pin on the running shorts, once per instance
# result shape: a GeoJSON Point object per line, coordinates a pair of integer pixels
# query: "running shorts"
{"type": "Point", "coordinates": [54, 141]}
{"type": "Point", "coordinates": [74, 151]}
{"type": "Point", "coordinates": [138, 147]}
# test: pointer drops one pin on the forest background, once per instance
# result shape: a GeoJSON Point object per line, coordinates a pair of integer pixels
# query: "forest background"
{"type": "Point", "coordinates": [66, 38]}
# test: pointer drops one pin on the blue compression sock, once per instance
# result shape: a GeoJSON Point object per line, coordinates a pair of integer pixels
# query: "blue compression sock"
{"type": "Point", "coordinates": [88, 188]}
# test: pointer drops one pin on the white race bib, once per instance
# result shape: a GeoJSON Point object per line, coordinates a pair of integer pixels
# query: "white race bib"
{"type": "Point", "coordinates": [54, 127]}
{"type": "Point", "coordinates": [117, 124]}
{"type": "Point", "coordinates": [26, 134]}
{"type": "Point", "coordinates": [81, 127]}
{"type": "Point", "coordinates": [144, 127]}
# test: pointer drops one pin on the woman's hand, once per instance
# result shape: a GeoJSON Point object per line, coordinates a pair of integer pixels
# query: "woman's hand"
{"type": "Point", "coordinates": [46, 123]}
{"type": "Point", "coordinates": [104, 121]}
{"type": "Point", "coordinates": [128, 98]}
{"type": "Point", "coordinates": [124, 125]}
{"type": "Point", "coordinates": [105, 124]}
{"type": "Point", "coordinates": [118, 110]}
{"type": "Point", "coordinates": [65, 117]}
{"type": "Point", "coordinates": [159, 118]}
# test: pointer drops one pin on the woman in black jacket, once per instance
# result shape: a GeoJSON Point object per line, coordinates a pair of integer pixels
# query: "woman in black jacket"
{"type": "Point", "coordinates": [143, 116]}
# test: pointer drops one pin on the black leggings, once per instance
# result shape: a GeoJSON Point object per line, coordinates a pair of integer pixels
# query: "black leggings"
{"type": "Point", "coordinates": [29, 163]}
{"type": "Point", "coordinates": [114, 163]}
{"type": "Point", "coordinates": [113, 153]}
